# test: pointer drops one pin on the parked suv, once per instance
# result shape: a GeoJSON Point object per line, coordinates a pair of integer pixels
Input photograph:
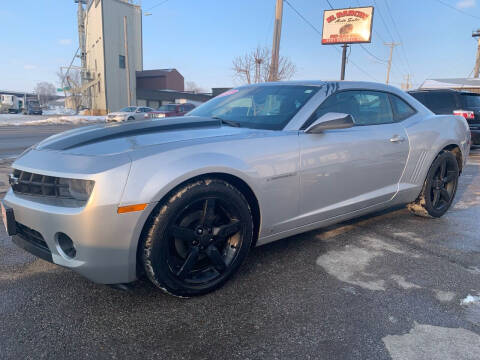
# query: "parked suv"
{"type": "Point", "coordinates": [170, 110]}
{"type": "Point", "coordinates": [464, 103]}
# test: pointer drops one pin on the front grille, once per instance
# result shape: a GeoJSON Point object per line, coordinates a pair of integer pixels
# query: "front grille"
{"type": "Point", "coordinates": [32, 236]}
{"type": "Point", "coordinates": [27, 183]}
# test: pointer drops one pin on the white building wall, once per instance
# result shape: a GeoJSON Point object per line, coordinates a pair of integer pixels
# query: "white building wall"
{"type": "Point", "coordinates": [105, 41]}
{"type": "Point", "coordinates": [116, 77]}
{"type": "Point", "coordinates": [95, 58]}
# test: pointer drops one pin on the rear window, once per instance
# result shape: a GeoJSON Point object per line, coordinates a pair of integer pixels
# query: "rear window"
{"type": "Point", "coordinates": [441, 101]}
{"type": "Point", "coordinates": [438, 102]}
{"type": "Point", "coordinates": [470, 100]}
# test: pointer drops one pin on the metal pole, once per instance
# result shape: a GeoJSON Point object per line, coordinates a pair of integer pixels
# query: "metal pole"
{"type": "Point", "coordinates": [344, 60]}
{"type": "Point", "coordinates": [277, 31]}
{"type": "Point", "coordinates": [129, 90]}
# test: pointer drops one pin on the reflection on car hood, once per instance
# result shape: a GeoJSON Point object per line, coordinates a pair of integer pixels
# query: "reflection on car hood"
{"type": "Point", "coordinates": [117, 138]}
{"type": "Point", "coordinates": [117, 113]}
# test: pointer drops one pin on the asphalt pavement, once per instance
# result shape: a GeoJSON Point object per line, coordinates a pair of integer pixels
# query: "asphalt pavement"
{"type": "Point", "coordinates": [386, 286]}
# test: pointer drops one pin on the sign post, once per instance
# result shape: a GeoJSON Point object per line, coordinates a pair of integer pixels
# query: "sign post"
{"type": "Point", "coordinates": [347, 26]}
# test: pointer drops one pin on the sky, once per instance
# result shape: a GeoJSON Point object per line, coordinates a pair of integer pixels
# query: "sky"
{"type": "Point", "coordinates": [200, 38]}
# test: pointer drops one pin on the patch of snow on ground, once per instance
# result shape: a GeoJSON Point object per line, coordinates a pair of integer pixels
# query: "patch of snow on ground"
{"type": "Point", "coordinates": [19, 119]}
{"type": "Point", "coordinates": [470, 299]}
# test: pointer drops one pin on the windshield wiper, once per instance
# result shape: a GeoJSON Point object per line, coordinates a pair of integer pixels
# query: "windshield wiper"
{"type": "Point", "coordinates": [227, 122]}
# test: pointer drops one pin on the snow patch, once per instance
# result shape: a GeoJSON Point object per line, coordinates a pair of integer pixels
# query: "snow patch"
{"type": "Point", "coordinates": [19, 119]}
{"type": "Point", "coordinates": [470, 300]}
{"type": "Point", "coordinates": [433, 342]}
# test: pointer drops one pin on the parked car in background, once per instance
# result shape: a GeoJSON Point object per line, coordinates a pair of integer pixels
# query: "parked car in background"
{"type": "Point", "coordinates": [129, 113]}
{"type": "Point", "coordinates": [32, 107]}
{"type": "Point", "coordinates": [183, 200]}
{"type": "Point", "coordinates": [170, 110]}
{"type": "Point", "coordinates": [463, 103]}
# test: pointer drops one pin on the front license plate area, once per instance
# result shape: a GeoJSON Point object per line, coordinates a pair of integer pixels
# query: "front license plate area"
{"type": "Point", "coordinates": [8, 219]}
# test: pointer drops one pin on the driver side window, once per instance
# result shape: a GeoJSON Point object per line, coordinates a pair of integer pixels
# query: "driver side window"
{"type": "Point", "coordinates": [366, 107]}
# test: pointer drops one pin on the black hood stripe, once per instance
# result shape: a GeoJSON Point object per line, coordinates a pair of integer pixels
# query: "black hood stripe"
{"type": "Point", "coordinates": [71, 141]}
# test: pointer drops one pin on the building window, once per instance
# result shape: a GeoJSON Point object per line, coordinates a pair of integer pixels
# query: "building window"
{"type": "Point", "coordinates": [121, 61]}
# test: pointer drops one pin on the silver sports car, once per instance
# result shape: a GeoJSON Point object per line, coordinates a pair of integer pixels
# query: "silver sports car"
{"type": "Point", "coordinates": [183, 200]}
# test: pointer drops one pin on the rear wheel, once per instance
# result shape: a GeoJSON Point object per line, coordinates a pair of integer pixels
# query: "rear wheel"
{"type": "Point", "coordinates": [131, 118]}
{"type": "Point", "coordinates": [439, 188]}
{"type": "Point", "coordinates": [197, 238]}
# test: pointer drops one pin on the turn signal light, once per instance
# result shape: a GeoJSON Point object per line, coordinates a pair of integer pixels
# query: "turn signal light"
{"type": "Point", "coordinates": [131, 208]}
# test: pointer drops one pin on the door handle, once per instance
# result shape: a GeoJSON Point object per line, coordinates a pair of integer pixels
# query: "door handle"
{"type": "Point", "coordinates": [397, 138]}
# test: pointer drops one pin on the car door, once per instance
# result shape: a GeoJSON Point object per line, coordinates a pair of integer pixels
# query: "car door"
{"type": "Point", "coordinates": [346, 170]}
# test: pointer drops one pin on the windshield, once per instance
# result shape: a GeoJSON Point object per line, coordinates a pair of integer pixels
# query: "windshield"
{"type": "Point", "coordinates": [128, 109]}
{"type": "Point", "coordinates": [168, 107]}
{"type": "Point", "coordinates": [471, 100]}
{"type": "Point", "coordinates": [262, 107]}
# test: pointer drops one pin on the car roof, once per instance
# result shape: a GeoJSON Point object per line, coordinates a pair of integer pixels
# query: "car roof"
{"type": "Point", "coordinates": [454, 91]}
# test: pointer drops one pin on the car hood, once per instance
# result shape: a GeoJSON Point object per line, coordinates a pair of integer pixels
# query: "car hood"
{"type": "Point", "coordinates": [118, 113]}
{"type": "Point", "coordinates": [108, 139]}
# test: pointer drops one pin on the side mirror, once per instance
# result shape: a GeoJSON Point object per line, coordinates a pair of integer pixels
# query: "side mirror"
{"type": "Point", "coordinates": [330, 121]}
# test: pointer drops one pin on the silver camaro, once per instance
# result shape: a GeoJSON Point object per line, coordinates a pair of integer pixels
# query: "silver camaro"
{"type": "Point", "coordinates": [183, 200]}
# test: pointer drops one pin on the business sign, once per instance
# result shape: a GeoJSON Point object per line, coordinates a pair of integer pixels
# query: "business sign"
{"type": "Point", "coordinates": [347, 26]}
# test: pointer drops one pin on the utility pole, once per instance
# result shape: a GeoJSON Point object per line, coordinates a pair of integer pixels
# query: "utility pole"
{"type": "Point", "coordinates": [476, 34]}
{"type": "Point", "coordinates": [277, 31]}
{"type": "Point", "coordinates": [407, 84]}
{"type": "Point", "coordinates": [392, 45]}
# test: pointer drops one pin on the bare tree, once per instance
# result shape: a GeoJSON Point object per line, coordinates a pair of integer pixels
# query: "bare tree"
{"type": "Point", "coordinates": [70, 81]}
{"type": "Point", "coordinates": [193, 87]}
{"type": "Point", "coordinates": [45, 91]}
{"type": "Point", "coordinates": [255, 66]}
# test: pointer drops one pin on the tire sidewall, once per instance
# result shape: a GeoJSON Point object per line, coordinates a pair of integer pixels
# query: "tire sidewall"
{"type": "Point", "coordinates": [156, 243]}
{"type": "Point", "coordinates": [448, 156]}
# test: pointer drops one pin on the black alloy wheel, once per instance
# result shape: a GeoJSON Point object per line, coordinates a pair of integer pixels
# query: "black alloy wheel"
{"type": "Point", "coordinates": [198, 238]}
{"type": "Point", "coordinates": [443, 184]}
{"type": "Point", "coordinates": [440, 187]}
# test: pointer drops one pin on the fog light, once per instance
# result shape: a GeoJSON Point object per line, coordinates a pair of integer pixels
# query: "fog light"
{"type": "Point", "coordinates": [66, 245]}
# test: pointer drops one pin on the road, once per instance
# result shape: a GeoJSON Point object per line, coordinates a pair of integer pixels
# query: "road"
{"type": "Point", "coordinates": [14, 139]}
{"type": "Point", "coordinates": [386, 286]}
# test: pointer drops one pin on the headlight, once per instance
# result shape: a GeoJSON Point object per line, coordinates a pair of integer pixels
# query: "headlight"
{"type": "Point", "coordinates": [76, 188]}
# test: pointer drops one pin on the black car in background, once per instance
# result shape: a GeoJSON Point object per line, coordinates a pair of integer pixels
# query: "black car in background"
{"type": "Point", "coordinates": [464, 103]}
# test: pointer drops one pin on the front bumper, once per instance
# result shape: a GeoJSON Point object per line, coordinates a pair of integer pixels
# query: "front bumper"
{"type": "Point", "coordinates": [105, 241]}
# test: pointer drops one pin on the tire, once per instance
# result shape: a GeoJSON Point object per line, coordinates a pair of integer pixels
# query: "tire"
{"type": "Point", "coordinates": [131, 118]}
{"type": "Point", "coordinates": [197, 238]}
{"type": "Point", "coordinates": [439, 188]}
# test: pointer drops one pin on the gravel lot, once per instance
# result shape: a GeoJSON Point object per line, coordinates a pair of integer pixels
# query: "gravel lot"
{"type": "Point", "coordinates": [387, 286]}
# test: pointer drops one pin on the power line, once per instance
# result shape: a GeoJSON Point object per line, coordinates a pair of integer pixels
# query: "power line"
{"type": "Point", "coordinates": [405, 65]}
{"type": "Point", "coordinates": [156, 5]}
{"type": "Point", "coordinates": [399, 35]}
{"type": "Point", "coordinates": [457, 9]}
{"type": "Point", "coordinates": [383, 20]}
{"type": "Point", "coordinates": [372, 55]}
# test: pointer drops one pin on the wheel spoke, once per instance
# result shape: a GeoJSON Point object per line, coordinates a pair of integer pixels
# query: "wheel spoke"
{"type": "Point", "coordinates": [216, 258]}
{"type": "Point", "coordinates": [443, 169]}
{"type": "Point", "coordinates": [451, 175]}
{"type": "Point", "coordinates": [183, 233]}
{"type": "Point", "coordinates": [225, 231]}
{"type": "Point", "coordinates": [436, 197]}
{"type": "Point", "coordinates": [208, 212]}
{"type": "Point", "coordinates": [189, 263]}
{"type": "Point", "coordinates": [445, 195]}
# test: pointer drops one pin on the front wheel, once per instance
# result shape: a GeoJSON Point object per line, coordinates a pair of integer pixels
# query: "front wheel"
{"type": "Point", "coordinates": [197, 238]}
{"type": "Point", "coordinates": [439, 188]}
